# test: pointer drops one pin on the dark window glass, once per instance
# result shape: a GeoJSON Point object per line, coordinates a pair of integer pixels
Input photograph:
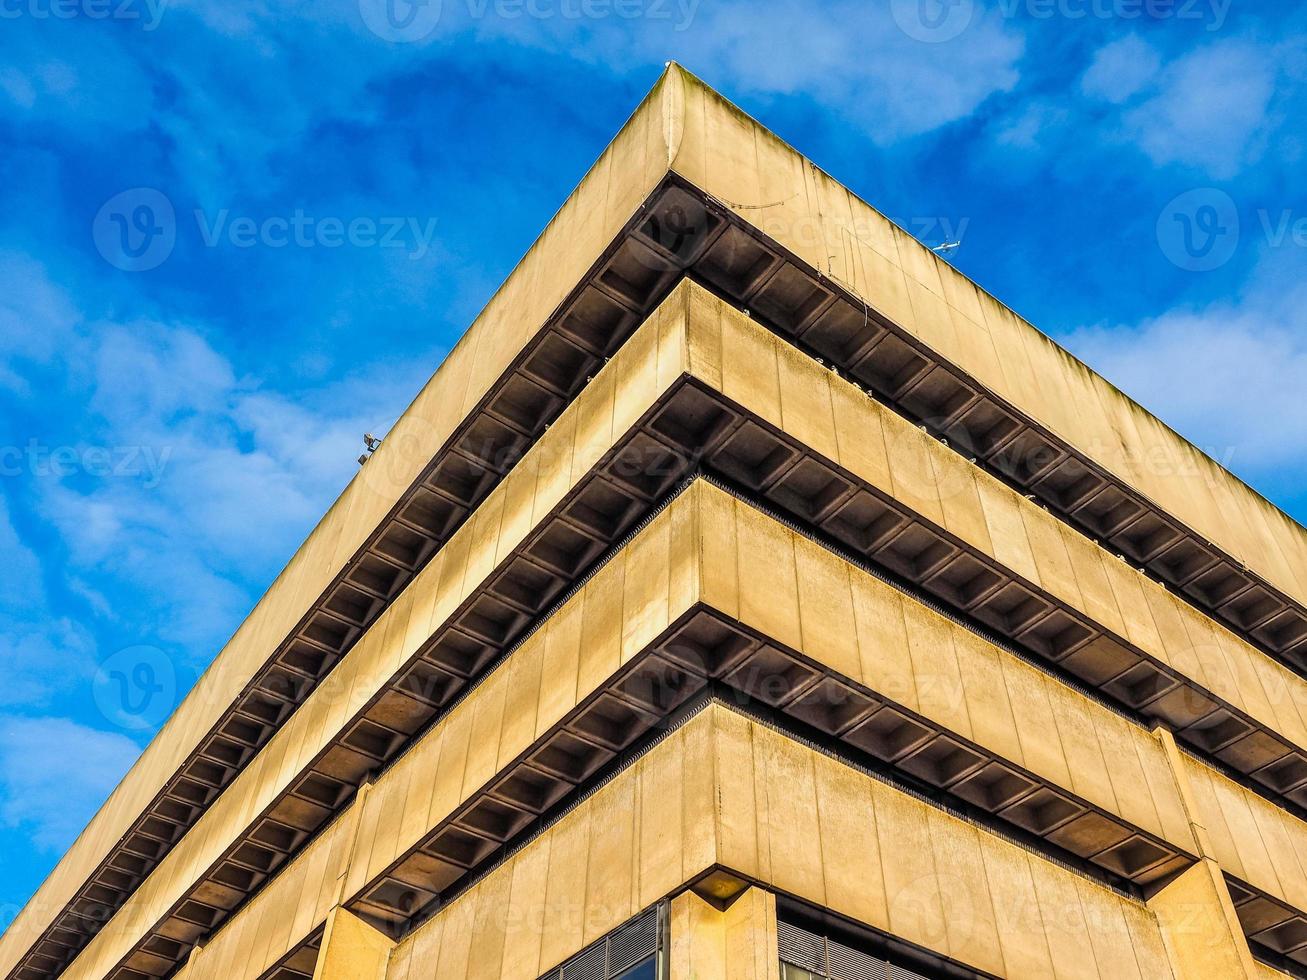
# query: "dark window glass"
{"type": "Point", "coordinates": [641, 971]}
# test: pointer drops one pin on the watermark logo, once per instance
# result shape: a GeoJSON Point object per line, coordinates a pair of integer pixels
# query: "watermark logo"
{"type": "Point", "coordinates": [932, 21]}
{"type": "Point", "coordinates": [302, 230]}
{"type": "Point", "coordinates": [401, 21]}
{"type": "Point", "coordinates": [136, 688]}
{"type": "Point", "coordinates": [935, 21]}
{"type": "Point", "coordinates": [1283, 228]}
{"type": "Point", "coordinates": [143, 463]}
{"type": "Point", "coordinates": [1199, 229]}
{"type": "Point", "coordinates": [148, 13]}
{"type": "Point", "coordinates": [136, 230]}
{"type": "Point", "coordinates": [406, 21]}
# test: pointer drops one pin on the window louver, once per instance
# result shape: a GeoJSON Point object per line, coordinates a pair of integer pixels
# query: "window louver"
{"type": "Point", "coordinates": [624, 947]}
{"type": "Point", "coordinates": [835, 961]}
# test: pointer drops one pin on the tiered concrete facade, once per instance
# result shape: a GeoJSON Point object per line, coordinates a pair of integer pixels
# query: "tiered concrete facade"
{"type": "Point", "coordinates": [748, 595]}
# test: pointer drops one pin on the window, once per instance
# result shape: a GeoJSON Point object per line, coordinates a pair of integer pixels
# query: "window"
{"type": "Point", "coordinates": [629, 952]}
{"type": "Point", "coordinates": [807, 955]}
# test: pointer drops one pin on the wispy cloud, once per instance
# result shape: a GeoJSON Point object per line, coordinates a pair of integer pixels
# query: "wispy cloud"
{"type": "Point", "coordinates": [54, 773]}
{"type": "Point", "coordinates": [1227, 375]}
{"type": "Point", "coordinates": [1209, 109]}
{"type": "Point", "coordinates": [1120, 69]}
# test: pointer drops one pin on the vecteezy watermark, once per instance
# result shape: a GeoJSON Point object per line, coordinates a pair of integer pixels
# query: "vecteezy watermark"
{"type": "Point", "coordinates": [148, 13]}
{"type": "Point", "coordinates": [135, 688]}
{"type": "Point", "coordinates": [1283, 228]}
{"type": "Point", "coordinates": [401, 21]}
{"type": "Point", "coordinates": [406, 21]}
{"type": "Point", "coordinates": [1210, 12]}
{"type": "Point", "coordinates": [1199, 230]}
{"type": "Point", "coordinates": [302, 230]}
{"type": "Point", "coordinates": [123, 462]}
{"type": "Point", "coordinates": [935, 21]}
{"type": "Point", "coordinates": [136, 230]}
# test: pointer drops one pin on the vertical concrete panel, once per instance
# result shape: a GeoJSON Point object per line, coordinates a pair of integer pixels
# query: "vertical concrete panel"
{"type": "Point", "coordinates": [1007, 530]}
{"type": "Point", "coordinates": [768, 587]}
{"type": "Point", "coordinates": [455, 949]}
{"type": "Point", "coordinates": [565, 892]}
{"type": "Point", "coordinates": [1076, 722]}
{"type": "Point", "coordinates": [1022, 935]}
{"type": "Point", "coordinates": [912, 479]}
{"type": "Point", "coordinates": [521, 701]}
{"type": "Point", "coordinates": [883, 641]}
{"type": "Point", "coordinates": [796, 864]}
{"type": "Point", "coordinates": [1056, 571]}
{"type": "Point", "coordinates": [969, 918]}
{"type": "Point", "coordinates": [702, 334]}
{"type": "Point", "coordinates": [558, 674]}
{"type": "Point", "coordinates": [749, 374]}
{"type": "Point", "coordinates": [805, 404]}
{"type": "Point", "coordinates": [1041, 750]}
{"type": "Point", "coordinates": [958, 495]}
{"type": "Point", "coordinates": [1109, 936]}
{"type": "Point", "coordinates": [719, 548]}
{"type": "Point", "coordinates": [826, 608]}
{"type": "Point", "coordinates": [608, 878]}
{"type": "Point", "coordinates": [489, 925]}
{"type": "Point", "coordinates": [1064, 920]}
{"type": "Point", "coordinates": [487, 723]}
{"type": "Point", "coordinates": [527, 914]}
{"type": "Point", "coordinates": [916, 909]}
{"type": "Point", "coordinates": [988, 705]}
{"type": "Point", "coordinates": [644, 604]}
{"type": "Point", "coordinates": [860, 434]}
{"type": "Point", "coordinates": [601, 628]}
{"type": "Point", "coordinates": [737, 807]}
{"type": "Point", "coordinates": [699, 796]}
{"type": "Point", "coordinates": [662, 826]}
{"type": "Point", "coordinates": [935, 668]}
{"type": "Point", "coordinates": [1096, 592]}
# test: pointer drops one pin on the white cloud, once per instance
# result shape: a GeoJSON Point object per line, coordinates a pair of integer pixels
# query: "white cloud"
{"type": "Point", "coordinates": [1121, 69]}
{"type": "Point", "coordinates": [205, 480]}
{"type": "Point", "coordinates": [1209, 110]}
{"type": "Point", "coordinates": [54, 774]}
{"type": "Point", "coordinates": [1031, 127]}
{"type": "Point", "coordinates": [854, 59]}
{"type": "Point", "coordinates": [1227, 376]}
{"type": "Point", "coordinates": [36, 316]}
{"type": "Point", "coordinates": [32, 638]}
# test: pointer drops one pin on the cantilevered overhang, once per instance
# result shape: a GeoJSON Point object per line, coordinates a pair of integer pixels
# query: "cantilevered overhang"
{"type": "Point", "coordinates": [667, 403]}
{"type": "Point", "coordinates": [767, 227]}
{"type": "Point", "coordinates": [722, 792]}
{"type": "Point", "coordinates": [690, 186]}
{"type": "Point", "coordinates": [713, 590]}
{"type": "Point", "coordinates": [519, 363]}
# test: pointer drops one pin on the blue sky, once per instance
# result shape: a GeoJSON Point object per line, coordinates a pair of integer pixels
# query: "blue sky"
{"type": "Point", "coordinates": [347, 194]}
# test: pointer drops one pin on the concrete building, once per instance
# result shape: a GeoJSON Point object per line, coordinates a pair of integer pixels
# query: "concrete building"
{"type": "Point", "coordinates": [747, 595]}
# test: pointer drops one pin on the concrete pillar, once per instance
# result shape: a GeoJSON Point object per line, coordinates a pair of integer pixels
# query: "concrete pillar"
{"type": "Point", "coordinates": [735, 942]}
{"type": "Point", "coordinates": [1199, 925]}
{"type": "Point", "coordinates": [1202, 934]}
{"type": "Point", "coordinates": [351, 949]}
